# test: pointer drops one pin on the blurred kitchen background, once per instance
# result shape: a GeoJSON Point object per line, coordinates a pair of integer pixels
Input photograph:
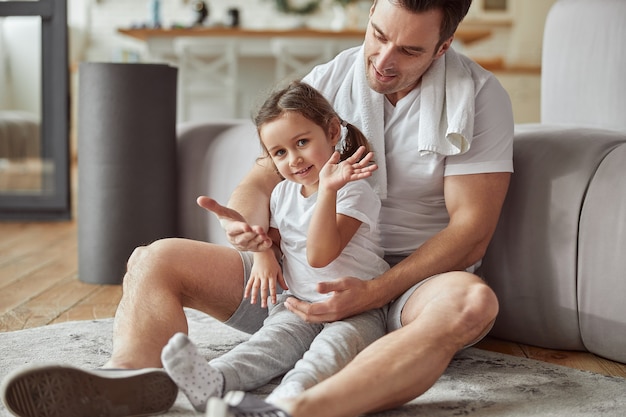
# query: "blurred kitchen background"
{"type": "Point", "coordinates": [229, 54]}
{"type": "Point", "coordinates": [512, 48]}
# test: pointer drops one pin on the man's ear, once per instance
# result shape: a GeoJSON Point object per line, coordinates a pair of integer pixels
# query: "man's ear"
{"type": "Point", "coordinates": [444, 47]}
{"type": "Point", "coordinates": [372, 8]}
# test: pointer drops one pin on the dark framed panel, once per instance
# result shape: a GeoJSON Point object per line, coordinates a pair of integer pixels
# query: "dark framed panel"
{"type": "Point", "coordinates": [35, 180]}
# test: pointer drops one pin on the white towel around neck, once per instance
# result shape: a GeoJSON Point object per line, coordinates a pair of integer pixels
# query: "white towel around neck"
{"type": "Point", "coordinates": [446, 110]}
{"type": "Point", "coordinates": [447, 114]}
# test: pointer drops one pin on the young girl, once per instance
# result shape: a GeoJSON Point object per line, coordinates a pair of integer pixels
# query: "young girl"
{"type": "Point", "coordinates": [324, 219]}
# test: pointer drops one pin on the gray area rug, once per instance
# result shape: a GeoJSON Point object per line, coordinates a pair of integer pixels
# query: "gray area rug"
{"type": "Point", "coordinates": [477, 383]}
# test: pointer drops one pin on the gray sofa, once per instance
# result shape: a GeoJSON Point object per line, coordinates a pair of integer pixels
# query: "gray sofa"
{"type": "Point", "coordinates": [558, 258]}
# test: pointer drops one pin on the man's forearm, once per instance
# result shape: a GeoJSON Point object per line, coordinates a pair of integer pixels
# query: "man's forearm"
{"type": "Point", "coordinates": [444, 252]}
{"type": "Point", "coordinates": [251, 197]}
{"type": "Point", "coordinates": [252, 203]}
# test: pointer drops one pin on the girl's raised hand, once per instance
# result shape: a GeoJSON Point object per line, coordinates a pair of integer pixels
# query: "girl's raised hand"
{"type": "Point", "coordinates": [336, 174]}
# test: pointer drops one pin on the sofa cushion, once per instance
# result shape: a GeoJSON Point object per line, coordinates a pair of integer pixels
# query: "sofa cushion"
{"type": "Point", "coordinates": [532, 261]}
{"type": "Point", "coordinates": [213, 158]}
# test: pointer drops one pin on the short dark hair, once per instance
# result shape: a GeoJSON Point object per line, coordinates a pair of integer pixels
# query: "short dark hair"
{"type": "Point", "coordinates": [454, 12]}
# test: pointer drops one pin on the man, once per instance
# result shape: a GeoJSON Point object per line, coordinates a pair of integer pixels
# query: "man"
{"type": "Point", "coordinates": [441, 194]}
{"type": "Point", "coordinates": [439, 213]}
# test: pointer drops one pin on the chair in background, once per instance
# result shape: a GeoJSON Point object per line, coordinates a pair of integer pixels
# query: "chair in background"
{"type": "Point", "coordinates": [207, 71]}
{"type": "Point", "coordinates": [295, 57]}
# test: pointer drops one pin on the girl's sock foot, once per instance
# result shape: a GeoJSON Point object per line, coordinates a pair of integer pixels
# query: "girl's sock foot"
{"type": "Point", "coordinates": [191, 372]}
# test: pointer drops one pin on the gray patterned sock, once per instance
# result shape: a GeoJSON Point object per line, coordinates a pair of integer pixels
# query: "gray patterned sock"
{"type": "Point", "coordinates": [191, 372]}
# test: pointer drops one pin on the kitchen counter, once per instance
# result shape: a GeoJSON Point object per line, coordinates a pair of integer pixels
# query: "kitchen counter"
{"type": "Point", "coordinates": [465, 35]}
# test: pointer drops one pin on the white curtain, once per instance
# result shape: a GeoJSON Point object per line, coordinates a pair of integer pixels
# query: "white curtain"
{"type": "Point", "coordinates": [22, 41]}
{"type": "Point", "coordinates": [4, 87]}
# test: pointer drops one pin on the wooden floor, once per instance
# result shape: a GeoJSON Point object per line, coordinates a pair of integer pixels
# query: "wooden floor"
{"type": "Point", "coordinates": [39, 285]}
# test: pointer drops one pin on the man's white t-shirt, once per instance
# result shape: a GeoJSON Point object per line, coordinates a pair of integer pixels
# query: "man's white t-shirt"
{"type": "Point", "coordinates": [414, 209]}
{"type": "Point", "coordinates": [362, 258]}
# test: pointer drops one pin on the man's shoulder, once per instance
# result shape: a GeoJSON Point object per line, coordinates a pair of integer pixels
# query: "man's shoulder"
{"type": "Point", "coordinates": [345, 58]}
{"type": "Point", "coordinates": [348, 54]}
{"type": "Point", "coordinates": [480, 74]}
{"type": "Point", "coordinates": [486, 84]}
{"type": "Point", "coordinates": [334, 71]}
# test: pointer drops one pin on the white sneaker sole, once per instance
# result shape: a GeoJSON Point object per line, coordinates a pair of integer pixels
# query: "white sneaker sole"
{"type": "Point", "coordinates": [65, 391]}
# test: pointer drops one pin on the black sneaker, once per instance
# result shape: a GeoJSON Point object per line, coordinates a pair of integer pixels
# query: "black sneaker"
{"type": "Point", "coordinates": [241, 404]}
{"type": "Point", "coordinates": [65, 391]}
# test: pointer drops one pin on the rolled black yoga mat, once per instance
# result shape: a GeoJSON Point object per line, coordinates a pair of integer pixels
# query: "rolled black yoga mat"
{"type": "Point", "coordinates": [126, 164]}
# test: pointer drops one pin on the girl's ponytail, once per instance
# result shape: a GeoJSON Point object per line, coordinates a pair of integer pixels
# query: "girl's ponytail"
{"type": "Point", "coordinates": [352, 140]}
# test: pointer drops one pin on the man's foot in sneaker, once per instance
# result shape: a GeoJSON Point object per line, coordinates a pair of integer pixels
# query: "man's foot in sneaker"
{"type": "Point", "coordinates": [65, 391]}
{"type": "Point", "coordinates": [241, 404]}
{"type": "Point", "coordinates": [285, 391]}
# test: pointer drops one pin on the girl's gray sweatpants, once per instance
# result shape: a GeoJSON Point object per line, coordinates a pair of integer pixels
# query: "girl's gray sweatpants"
{"type": "Point", "coordinates": [307, 352]}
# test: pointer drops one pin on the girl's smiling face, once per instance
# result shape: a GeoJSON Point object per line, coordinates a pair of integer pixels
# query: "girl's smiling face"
{"type": "Point", "coordinates": [299, 148]}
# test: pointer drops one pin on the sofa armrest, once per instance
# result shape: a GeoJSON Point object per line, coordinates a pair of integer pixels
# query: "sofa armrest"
{"type": "Point", "coordinates": [212, 158]}
{"type": "Point", "coordinates": [533, 260]}
{"type": "Point", "coordinates": [602, 260]}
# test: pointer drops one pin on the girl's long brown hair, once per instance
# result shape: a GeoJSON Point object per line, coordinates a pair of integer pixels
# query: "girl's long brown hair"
{"type": "Point", "coordinates": [300, 97]}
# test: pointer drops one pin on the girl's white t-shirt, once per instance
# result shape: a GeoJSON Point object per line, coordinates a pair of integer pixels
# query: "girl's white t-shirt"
{"type": "Point", "coordinates": [362, 258]}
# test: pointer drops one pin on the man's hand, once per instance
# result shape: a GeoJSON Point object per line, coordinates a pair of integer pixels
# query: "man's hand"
{"type": "Point", "coordinates": [239, 233]}
{"type": "Point", "coordinates": [335, 174]}
{"type": "Point", "coordinates": [348, 296]}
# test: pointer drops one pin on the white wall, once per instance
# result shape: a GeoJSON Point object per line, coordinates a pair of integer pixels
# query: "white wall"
{"type": "Point", "coordinates": [4, 62]}
{"type": "Point", "coordinates": [527, 32]}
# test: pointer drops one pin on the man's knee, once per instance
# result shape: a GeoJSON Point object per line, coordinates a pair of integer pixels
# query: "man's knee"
{"type": "Point", "coordinates": [475, 301]}
{"type": "Point", "coordinates": [136, 256]}
{"type": "Point", "coordinates": [466, 304]}
{"type": "Point", "coordinates": [148, 258]}
{"type": "Point", "coordinates": [481, 300]}
{"type": "Point", "coordinates": [480, 311]}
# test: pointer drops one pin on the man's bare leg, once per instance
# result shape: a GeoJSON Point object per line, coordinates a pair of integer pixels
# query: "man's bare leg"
{"type": "Point", "coordinates": [440, 318]}
{"type": "Point", "coordinates": [163, 278]}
